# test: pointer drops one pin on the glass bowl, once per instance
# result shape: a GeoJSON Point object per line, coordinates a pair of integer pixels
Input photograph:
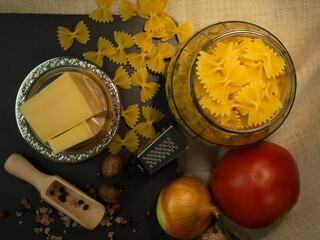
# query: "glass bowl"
{"type": "Point", "coordinates": [183, 97]}
{"type": "Point", "coordinates": [104, 89]}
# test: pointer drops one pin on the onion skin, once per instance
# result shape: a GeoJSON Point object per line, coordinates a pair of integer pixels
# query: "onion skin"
{"type": "Point", "coordinates": [185, 208]}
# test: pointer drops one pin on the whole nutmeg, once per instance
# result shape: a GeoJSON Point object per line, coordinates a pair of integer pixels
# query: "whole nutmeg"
{"type": "Point", "coordinates": [109, 193]}
{"type": "Point", "coordinates": [111, 166]}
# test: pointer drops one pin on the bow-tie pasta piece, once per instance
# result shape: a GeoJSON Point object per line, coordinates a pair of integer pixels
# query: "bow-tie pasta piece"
{"type": "Point", "coordinates": [130, 142]}
{"type": "Point", "coordinates": [67, 37]}
{"type": "Point", "coordinates": [131, 115]}
{"type": "Point", "coordinates": [148, 89]}
{"type": "Point", "coordinates": [240, 47]}
{"type": "Point", "coordinates": [224, 51]}
{"type": "Point", "coordinates": [123, 41]}
{"type": "Point", "coordinates": [138, 60]}
{"type": "Point", "coordinates": [105, 49]}
{"type": "Point", "coordinates": [183, 31]}
{"type": "Point", "coordinates": [127, 10]}
{"type": "Point", "coordinates": [151, 115]}
{"type": "Point", "coordinates": [259, 108]}
{"type": "Point", "coordinates": [207, 65]}
{"type": "Point", "coordinates": [256, 72]}
{"type": "Point", "coordinates": [228, 81]}
{"type": "Point", "coordinates": [102, 14]}
{"type": "Point", "coordinates": [121, 78]}
{"type": "Point", "coordinates": [144, 39]}
{"type": "Point", "coordinates": [273, 64]}
{"type": "Point", "coordinates": [215, 108]}
{"type": "Point", "coordinates": [155, 14]}
{"type": "Point", "coordinates": [158, 54]}
{"type": "Point", "coordinates": [199, 89]}
{"type": "Point", "coordinates": [230, 121]}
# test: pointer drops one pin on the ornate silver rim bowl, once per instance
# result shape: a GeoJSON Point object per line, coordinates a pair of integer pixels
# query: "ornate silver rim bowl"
{"type": "Point", "coordinates": [108, 94]}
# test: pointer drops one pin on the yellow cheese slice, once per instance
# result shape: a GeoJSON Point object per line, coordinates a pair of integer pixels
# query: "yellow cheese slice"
{"type": "Point", "coordinates": [61, 105]}
{"type": "Point", "coordinates": [75, 135]}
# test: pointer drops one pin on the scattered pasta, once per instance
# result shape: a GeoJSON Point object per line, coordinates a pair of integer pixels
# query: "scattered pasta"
{"type": "Point", "coordinates": [138, 60]}
{"type": "Point", "coordinates": [151, 115]}
{"type": "Point", "coordinates": [149, 58]}
{"type": "Point", "coordinates": [123, 41]}
{"type": "Point", "coordinates": [158, 54]}
{"type": "Point", "coordinates": [156, 16]}
{"type": "Point", "coordinates": [183, 31]}
{"type": "Point", "coordinates": [67, 37]}
{"type": "Point", "coordinates": [102, 14]}
{"type": "Point", "coordinates": [148, 89]}
{"type": "Point", "coordinates": [131, 115]}
{"type": "Point", "coordinates": [127, 10]}
{"type": "Point", "coordinates": [121, 78]}
{"type": "Point", "coordinates": [243, 81]}
{"type": "Point", "coordinates": [105, 49]}
{"type": "Point", "coordinates": [130, 142]}
{"type": "Point", "coordinates": [144, 39]}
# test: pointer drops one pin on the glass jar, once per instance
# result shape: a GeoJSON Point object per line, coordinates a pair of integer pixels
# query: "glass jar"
{"type": "Point", "coordinates": [181, 87]}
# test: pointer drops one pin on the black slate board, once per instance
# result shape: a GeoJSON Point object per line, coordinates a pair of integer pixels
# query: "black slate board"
{"type": "Point", "coordinates": [25, 42]}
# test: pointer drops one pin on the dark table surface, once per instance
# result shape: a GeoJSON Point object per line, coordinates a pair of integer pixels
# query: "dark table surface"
{"type": "Point", "coordinates": [25, 42]}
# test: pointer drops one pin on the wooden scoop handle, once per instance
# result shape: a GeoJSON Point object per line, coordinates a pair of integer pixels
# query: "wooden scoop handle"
{"type": "Point", "coordinates": [20, 167]}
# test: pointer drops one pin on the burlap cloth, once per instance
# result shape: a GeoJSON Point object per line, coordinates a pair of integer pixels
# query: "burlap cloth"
{"type": "Point", "coordinates": [297, 25]}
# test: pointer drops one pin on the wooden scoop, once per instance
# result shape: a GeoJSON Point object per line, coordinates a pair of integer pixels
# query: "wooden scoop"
{"type": "Point", "coordinates": [52, 187]}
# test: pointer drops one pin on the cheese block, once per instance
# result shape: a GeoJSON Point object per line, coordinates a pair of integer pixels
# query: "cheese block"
{"type": "Point", "coordinates": [61, 105]}
{"type": "Point", "coordinates": [75, 135]}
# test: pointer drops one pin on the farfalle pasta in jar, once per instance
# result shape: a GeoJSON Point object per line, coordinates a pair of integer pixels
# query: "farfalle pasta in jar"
{"type": "Point", "coordinates": [231, 84]}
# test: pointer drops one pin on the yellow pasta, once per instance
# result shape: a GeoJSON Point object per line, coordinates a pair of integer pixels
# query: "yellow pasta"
{"type": "Point", "coordinates": [243, 80]}
{"type": "Point", "coordinates": [220, 85]}
{"type": "Point", "coordinates": [102, 14]}
{"type": "Point", "coordinates": [127, 10]}
{"type": "Point", "coordinates": [282, 85]}
{"type": "Point", "coordinates": [199, 89]}
{"type": "Point", "coordinates": [148, 89]}
{"type": "Point", "coordinates": [207, 65]}
{"type": "Point", "coordinates": [123, 41]}
{"type": "Point", "coordinates": [158, 54]}
{"type": "Point", "coordinates": [272, 63]}
{"type": "Point", "coordinates": [144, 39]}
{"type": "Point", "coordinates": [154, 11]}
{"type": "Point", "coordinates": [151, 115]}
{"type": "Point", "coordinates": [131, 115]}
{"type": "Point", "coordinates": [130, 142]}
{"type": "Point", "coordinates": [230, 121]}
{"type": "Point", "coordinates": [259, 108]}
{"type": "Point", "coordinates": [105, 49]}
{"type": "Point", "coordinates": [138, 60]}
{"type": "Point", "coordinates": [215, 108]}
{"type": "Point", "coordinates": [121, 78]}
{"type": "Point", "coordinates": [67, 37]}
{"type": "Point", "coordinates": [183, 31]}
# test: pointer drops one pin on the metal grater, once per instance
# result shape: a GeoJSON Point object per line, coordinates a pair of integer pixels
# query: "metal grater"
{"type": "Point", "coordinates": [161, 151]}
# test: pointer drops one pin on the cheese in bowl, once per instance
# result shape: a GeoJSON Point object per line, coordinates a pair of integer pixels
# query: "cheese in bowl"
{"type": "Point", "coordinates": [63, 113]}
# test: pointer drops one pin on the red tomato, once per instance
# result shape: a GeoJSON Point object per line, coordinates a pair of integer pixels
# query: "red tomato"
{"type": "Point", "coordinates": [257, 185]}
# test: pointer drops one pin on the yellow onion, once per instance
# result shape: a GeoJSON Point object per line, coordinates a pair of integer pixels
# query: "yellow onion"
{"type": "Point", "coordinates": [185, 208]}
